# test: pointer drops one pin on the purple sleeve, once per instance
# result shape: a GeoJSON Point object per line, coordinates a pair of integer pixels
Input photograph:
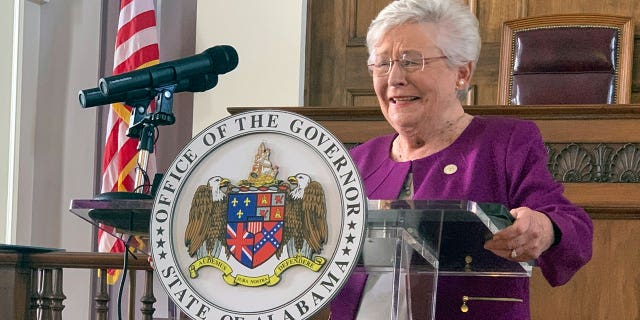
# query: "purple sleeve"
{"type": "Point", "coordinates": [531, 185]}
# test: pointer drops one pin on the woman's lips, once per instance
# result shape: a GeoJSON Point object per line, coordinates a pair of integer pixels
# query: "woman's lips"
{"type": "Point", "coordinates": [402, 99]}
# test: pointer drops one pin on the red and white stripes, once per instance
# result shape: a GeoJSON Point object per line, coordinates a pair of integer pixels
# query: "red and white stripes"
{"type": "Point", "coordinates": [136, 47]}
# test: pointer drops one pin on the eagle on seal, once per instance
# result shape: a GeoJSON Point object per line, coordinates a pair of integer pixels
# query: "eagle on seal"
{"type": "Point", "coordinates": [206, 230]}
{"type": "Point", "coordinates": [305, 220]}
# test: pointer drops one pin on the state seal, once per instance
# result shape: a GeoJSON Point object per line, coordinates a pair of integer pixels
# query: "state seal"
{"type": "Point", "coordinates": [260, 217]}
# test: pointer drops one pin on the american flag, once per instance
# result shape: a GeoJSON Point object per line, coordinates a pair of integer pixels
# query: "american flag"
{"type": "Point", "coordinates": [136, 47]}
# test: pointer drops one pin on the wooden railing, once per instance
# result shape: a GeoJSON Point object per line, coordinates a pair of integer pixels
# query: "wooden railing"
{"type": "Point", "coordinates": [32, 283]}
{"type": "Point", "coordinates": [585, 127]}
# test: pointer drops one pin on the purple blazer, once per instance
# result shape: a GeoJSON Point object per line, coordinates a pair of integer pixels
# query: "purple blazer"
{"type": "Point", "coordinates": [498, 160]}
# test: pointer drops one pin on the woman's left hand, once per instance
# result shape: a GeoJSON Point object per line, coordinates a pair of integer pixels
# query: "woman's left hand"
{"type": "Point", "coordinates": [526, 239]}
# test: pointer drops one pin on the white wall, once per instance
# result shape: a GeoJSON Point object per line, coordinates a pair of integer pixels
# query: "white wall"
{"type": "Point", "coordinates": [269, 38]}
{"type": "Point", "coordinates": [59, 55]}
{"type": "Point", "coordinates": [6, 58]}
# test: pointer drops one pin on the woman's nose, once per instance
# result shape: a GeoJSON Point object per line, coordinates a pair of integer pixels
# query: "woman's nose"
{"type": "Point", "coordinates": [397, 75]}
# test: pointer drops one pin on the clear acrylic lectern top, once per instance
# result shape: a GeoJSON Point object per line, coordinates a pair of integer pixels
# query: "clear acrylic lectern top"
{"type": "Point", "coordinates": [409, 243]}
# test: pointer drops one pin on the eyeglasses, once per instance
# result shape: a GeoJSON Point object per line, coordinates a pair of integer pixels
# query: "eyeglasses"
{"type": "Point", "coordinates": [409, 62]}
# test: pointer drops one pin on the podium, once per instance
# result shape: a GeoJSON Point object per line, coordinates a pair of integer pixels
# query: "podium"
{"type": "Point", "coordinates": [127, 215]}
{"type": "Point", "coordinates": [407, 245]}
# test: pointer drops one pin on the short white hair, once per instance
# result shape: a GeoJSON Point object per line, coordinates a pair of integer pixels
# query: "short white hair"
{"type": "Point", "coordinates": [458, 35]}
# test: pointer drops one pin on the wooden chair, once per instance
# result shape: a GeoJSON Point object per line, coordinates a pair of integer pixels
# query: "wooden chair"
{"type": "Point", "coordinates": [566, 59]}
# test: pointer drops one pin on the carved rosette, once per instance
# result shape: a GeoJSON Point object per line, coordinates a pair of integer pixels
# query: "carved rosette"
{"type": "Point", "coordinates": [625, 164]}
{"type": "Point", "coordinates": [573, 164]}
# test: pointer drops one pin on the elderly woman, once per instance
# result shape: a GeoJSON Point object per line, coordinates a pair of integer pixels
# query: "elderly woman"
{"type": "Point", "coordinates": [422, 54]}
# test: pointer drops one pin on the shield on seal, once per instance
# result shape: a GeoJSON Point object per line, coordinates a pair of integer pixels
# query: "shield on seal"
{"type": "Point", "coordinates": [254, 226]}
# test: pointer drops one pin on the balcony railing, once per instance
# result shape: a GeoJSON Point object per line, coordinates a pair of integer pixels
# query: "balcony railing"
{"type": "Point", "coordinates": [32, 283]}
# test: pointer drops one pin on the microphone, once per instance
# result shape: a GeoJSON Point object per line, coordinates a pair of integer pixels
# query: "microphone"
{"type": "Point", "coordinates": [215, 60]}
{"type": "Point", "coordinates": [94, 96]}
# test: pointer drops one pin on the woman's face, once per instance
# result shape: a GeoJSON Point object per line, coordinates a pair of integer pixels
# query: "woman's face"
{"type": "Point", "coordinates": [410, 98]}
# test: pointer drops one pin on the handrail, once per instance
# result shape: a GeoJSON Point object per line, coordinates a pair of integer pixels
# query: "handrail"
{"type": "Point", "coordinates": [87, 260]}
{"type": "Point", "coordinates": [36, 291]}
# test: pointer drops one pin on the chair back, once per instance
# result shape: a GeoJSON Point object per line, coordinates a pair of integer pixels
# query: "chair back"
{"type": "Point", "coordinates": [566, 59]}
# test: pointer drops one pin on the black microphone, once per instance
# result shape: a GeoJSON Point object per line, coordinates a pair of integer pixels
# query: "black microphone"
{"type": "Point", "coordinates": [94, 97]}
{"type": "Point", "coordinates": [215, 60]}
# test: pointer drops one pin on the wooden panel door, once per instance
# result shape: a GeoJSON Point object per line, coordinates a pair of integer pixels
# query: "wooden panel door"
{"type": "Point", "coordinates": [336, 71]}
